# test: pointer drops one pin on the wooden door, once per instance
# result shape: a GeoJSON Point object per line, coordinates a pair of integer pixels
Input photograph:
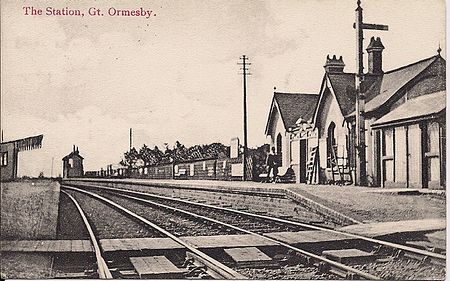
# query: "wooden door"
{"type": "Point", "coordinates": [400, 158]}
{"type": "Point", "coordinates": [414, 156]}
{"type": "Point", "coordinates": [387, 157]}
{"type": "Point", "coordinates": [433, 155]}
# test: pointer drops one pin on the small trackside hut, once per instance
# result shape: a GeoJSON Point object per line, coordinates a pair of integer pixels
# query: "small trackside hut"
{"type": "Point", "coordinates": [73, 164]}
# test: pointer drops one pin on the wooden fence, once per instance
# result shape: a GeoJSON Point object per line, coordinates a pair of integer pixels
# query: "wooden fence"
{"type": "Point", "coordinates": [204, 169]}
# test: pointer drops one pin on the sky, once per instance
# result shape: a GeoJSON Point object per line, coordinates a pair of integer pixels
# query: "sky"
{"type": "Point", "coordinates": [85, 81]}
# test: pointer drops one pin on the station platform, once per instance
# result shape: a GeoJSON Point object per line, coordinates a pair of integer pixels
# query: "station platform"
{"type": "Point", "coordinates": [253, 186]}
{"type": "Point", "coordinates": [345, 204]}
{"type": "Point", "coordinates": [213, 185]}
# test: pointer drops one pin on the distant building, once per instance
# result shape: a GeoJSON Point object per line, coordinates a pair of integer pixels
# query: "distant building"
{"type": "Point", "coordinates": [73, 164]}
{"type": "Point", "coordinates": [9, 154]}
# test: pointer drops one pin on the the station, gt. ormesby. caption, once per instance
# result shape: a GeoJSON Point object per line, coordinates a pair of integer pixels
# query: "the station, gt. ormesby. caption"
{"type": "Point", "coordinates": [91, 12]}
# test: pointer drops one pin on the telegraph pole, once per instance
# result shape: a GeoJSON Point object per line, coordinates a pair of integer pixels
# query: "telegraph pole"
{"type": "Point", "coordinates": [131, 138]}
{"type": "Point", "coordinates": [359, 25]}
{"type": "Point", "coordinates": [244, 68]}
{"type": "Point", "coordinates": [51, 175]}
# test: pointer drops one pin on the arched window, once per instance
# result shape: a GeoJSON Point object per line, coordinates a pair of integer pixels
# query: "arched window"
{"type": "Point", "coordinates": [331, 142]}
{"type": "Point", "coordinates": [279, 149]}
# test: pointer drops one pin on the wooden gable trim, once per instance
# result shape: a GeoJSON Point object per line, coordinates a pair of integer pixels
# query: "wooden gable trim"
{"type": "Point", "coordinates": [270, 116]}
{"type": "Point", "coordinates": [274, 105]}
{"type": "Point", "coordinates": [316, 112]}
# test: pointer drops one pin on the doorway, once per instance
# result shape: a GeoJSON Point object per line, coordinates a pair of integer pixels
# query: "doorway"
{"type": "Point", "coordinates": [331, 142]}
{"type": "Point", "coordinates": [279, 147]}
{"type": "Point", "coordinates": [303, 160]}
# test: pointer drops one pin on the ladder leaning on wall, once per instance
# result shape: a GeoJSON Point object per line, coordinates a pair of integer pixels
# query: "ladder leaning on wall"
{"type": "Point", "coordinates": [311, 167]}
{"type": "Point", "coordinates": [339, 168]}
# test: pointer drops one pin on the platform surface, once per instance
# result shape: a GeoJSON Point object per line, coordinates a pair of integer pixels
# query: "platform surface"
{"type": "Point", "coordinates": [388, 228]}
{"type": "Point", "coordinates": [49, 246]}
{"type": "Point", "coordinates": [362, 204]}
{"type": "Point", "coordinates": [155, 267]}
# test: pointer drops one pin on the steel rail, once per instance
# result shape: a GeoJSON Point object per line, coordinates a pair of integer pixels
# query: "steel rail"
{"type": "Point", "coordinates": [102, 267]}
{"type": "Point", "coordinates": [222, 270]}
{"type": "Point", "coordinates": [310, 226]}
{"type": "Point", "coordinates": [281, 243]}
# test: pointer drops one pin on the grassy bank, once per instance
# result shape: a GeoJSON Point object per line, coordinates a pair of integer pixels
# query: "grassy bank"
{"type": "Point", "coordinates": [26, 266]}
{"type": "Point", "coordinates": [29, 209]}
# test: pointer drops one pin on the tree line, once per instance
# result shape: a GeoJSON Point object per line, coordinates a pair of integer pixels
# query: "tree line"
{"type": "Point", "coordinates": [147, 156]}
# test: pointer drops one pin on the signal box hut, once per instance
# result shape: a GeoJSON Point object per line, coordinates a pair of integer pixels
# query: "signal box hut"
{"type": "Point", "coordinates": [73, 164]}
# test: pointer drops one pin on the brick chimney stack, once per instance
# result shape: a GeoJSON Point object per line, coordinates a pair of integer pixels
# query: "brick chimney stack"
{"type": "Point", "coordinates": [375, 50]}
{"type": "Point", "coordinates": [334, 65]}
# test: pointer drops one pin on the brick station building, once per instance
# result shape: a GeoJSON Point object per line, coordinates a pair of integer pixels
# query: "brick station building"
{"type": "Point", "coordinates": [73, 164]}
{"type": "Point", "coordinates": [405, 125]}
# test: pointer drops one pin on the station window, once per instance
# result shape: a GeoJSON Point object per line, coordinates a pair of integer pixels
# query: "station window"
{"type": "Point", "coordinates": [4, 160]}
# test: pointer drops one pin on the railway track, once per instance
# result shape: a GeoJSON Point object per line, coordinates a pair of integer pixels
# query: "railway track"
{"type": "Point", "coordinates": [276, 203]}
{"type": "Point", "coordinates": [198, 261]}
{"type": "Point", "coordinates": [201, 259]}
{"type": "Point", "coordinates": [209, 213]}
{"type": "Point", "coordinates": [102, 269]}
{"type": "Point", "coordinates": [206, 212]}
{"type": "Point", "coordinates": [177, 202]}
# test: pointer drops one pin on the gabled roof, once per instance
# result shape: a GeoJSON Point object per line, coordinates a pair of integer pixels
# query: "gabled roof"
{"type": "Point", "coordinates": [380, 88]}
{"type": "Point", "coordinates": [292, 106]}
{"type": "Point", "coordinates": [414, 109]}
{"type": "Point", "coordinates": [393, 81]}
{"type": "Point", "coordinates": [73, 154]}
{"type": "Point", "coordinates": [344, 87]}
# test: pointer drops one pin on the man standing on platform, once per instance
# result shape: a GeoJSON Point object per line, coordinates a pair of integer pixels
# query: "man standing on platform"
{"type": "Point", "coordinates": [271, 164]}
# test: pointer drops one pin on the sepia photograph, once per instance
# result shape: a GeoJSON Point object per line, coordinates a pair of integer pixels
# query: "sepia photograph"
{"type": "Point", "coordinates": [223, 139]}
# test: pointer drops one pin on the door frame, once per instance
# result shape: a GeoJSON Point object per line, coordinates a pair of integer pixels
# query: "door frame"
{"type": "Point", "coordinates": [303, 161]}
